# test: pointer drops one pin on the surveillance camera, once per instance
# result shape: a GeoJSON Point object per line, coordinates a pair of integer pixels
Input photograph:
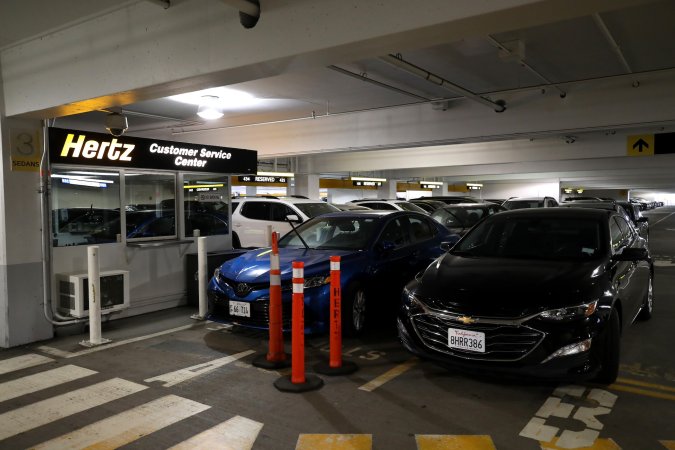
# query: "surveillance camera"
{"type": "Point", "coordinates": [570, 139]}
{"type": "Point", "coordinates": [116, 124]}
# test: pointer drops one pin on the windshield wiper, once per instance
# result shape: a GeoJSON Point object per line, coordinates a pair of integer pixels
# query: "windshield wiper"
{"type": "Point", "coordinates": [290, 222]}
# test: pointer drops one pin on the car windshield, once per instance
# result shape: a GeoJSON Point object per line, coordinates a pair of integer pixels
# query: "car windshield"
{"type": "Point", "coordinates": [345, 233]}
{"type": "Point", "coordinates": [407, 206]}
{"type": "Point", "coordinates": [458, 217]}
{"type": "Point", "coordinates": [552, 238]}
{"type": "Point", "coordinates": [312, 210]}
{"type": "Point", "coordinates": [520, 204]}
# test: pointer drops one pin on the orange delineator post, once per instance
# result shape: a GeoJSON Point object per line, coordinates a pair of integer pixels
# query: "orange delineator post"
{"type": "Point", "coordinates": [276, 347]}
{"type": "Point", "coordinates": [335, 314]}
{"type": "Point", "coordinates": [298, 325]}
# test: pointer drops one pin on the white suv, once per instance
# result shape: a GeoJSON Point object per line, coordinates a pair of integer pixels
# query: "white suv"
{"type": "Point", "coordinates": [252, 215]}
{"type": "Point", "coordinates": [389, 205]}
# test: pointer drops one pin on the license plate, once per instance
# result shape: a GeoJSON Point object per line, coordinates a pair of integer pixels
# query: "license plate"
{"type": "Point", "coordinates": [473, 341]}
{"type": "Point", "coordinates": [241, 309]}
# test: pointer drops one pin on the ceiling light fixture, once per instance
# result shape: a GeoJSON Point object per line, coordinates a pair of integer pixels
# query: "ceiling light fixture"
{"type": "Point", "coordinates": [382, 180]}
{"type": "Point", "coordinates": [437, 183]}
{"type": "Point", "coordinates": [209, 109]}
{"type": "Point", "coordinates": [276, 174]}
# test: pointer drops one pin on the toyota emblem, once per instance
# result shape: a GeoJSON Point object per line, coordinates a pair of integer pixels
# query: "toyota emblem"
{"type": "Point", "coordinates": [242, 289]}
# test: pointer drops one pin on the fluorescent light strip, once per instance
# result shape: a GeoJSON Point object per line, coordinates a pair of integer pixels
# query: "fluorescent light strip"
{"type": "Point", "coordinates": [276, 174]}
{"type": "Point", "coordinates": [367, 179]}
{"type": "Point", "coordinates": [196, 186]}
{"type": "Point", "coordinates": [83, 178]}
{"type": "Point", "coordinates": [474, 184]}
{"type": "Point", "coordinates": [90, 183]}
{"type": "Point", "coordinates": [436, 183]}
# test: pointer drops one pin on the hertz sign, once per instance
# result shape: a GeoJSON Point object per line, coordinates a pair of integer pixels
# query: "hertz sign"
{"type": "Point", "coordinates": [98, 149]}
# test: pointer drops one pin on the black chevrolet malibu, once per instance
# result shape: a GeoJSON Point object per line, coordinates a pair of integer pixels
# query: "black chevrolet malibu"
{"type": "Point", "coordinates": [542, 292]}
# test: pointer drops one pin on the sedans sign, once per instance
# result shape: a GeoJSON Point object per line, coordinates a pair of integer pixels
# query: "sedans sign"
{"type": "Point", "coordinates": [98, 149]}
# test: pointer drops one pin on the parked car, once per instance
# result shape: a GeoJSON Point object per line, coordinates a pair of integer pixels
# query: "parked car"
{"type": "Point", "coordinates": [532, 291]}
{"type": "Point", "coordinates": [530, 202]}
{"type": "Point", "coordinates": [380, 251]}
{"type": "Point", "coordinates": [251, 217]}
{"type": "Point", "coordinates": [389, 205]}
{"type": "Point", "coordinates": [350, 207]}
{"type": "Point", "coordinates": [497, 201]}
{"type": "Point", "coordinates": [428, 205]}
{"type": "Point", "coordinates": [461, 217]}
{"type": "Point", "coordinates": [640, 222]}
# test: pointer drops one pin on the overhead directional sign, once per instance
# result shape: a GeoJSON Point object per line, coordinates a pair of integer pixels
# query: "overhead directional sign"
{"type": "Point", "coordinates": [650, 144]}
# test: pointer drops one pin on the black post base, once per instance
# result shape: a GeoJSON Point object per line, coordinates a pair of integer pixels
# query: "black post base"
{"type": "Point", "coordinates": [262, 362]}
{"type": "Point", "coordinates": [312, 382]}
{"type": "Point", "coordinates": [347, 367]}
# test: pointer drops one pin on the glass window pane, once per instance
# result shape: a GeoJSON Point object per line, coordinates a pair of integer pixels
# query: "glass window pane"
{"type": "Point", "coordinates": [206, 204]}
{"type": "Point", "coordinates": [150, 205]}
{"type": "Point", "coordinates": [85, 206]}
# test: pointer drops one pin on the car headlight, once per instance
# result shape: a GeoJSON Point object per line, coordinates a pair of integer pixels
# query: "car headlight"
{"type": "Point", "coordinates": [570, 313]}
{"type": "Point", "coordinates": [313, 282]}
{"type": "Point", "coordinates": [216, 274]}
{"type": "Point", "coordinates": [410, 299]}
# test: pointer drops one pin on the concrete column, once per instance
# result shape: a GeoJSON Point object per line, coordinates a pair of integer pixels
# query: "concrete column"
{"type": "Point", "coordinates": [307, 185]}
{"type": "Point", "coordinates": [444, 189]}
{"type": "Point", "coordinates": [387, 190]}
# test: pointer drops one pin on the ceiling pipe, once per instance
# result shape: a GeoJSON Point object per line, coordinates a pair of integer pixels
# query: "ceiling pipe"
{"type": "Point", "coordinates": [525, 65]}
{"type": "Point", "coordinates": [400, 63]}
{"type": "Point", "coordinates": [610, 39]}
{"type": "Point", "coordinates": [249, 11]}
{"type": "Point", "coordinates": [377, 83]}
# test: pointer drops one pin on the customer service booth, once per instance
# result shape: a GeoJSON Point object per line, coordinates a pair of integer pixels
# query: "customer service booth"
{"type": "Point", "coordinates": [144, 202]}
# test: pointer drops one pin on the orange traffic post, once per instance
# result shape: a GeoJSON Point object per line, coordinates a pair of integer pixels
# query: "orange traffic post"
{"type": "Point", "coordinates": [298, 381]}
{"type": "Point", "coordinates": [335, 366]}
{"type": "Point", "coordinates": [276, 358]}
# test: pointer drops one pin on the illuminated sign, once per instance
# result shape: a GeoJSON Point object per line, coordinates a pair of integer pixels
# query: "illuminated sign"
{"type": "Point", "coordinates": [98, 149]}
{"type": "Point", "coordinates": [429, 186]}
{"type": "Point", "coordinates": [261, 179]}
{"type": "Point", "coordinates": [367, 183]}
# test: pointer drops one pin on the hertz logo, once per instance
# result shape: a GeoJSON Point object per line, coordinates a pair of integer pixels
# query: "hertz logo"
{"type": "Point", "coordinates": [91, 149]}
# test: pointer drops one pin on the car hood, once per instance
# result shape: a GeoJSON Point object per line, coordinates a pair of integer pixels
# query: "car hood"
{"type": "Point", "coordinates": [498, 287]}
{"type": "Point", "coordinates": [254, 266]}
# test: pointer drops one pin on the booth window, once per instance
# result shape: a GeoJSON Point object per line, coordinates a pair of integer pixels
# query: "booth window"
{"type": "Point", "coordinates": [85, 207]}
{"type": "Point", "coordinates": [206, 203]}
{"type": "Point", "coordinates": [150, 205]}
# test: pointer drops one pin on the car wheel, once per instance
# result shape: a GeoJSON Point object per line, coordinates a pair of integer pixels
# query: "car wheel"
{"type": "Point", "coordinates": [354, 310]}
{"type": "Point", "coordinates": [236, 243]}
{"type": "Point", "coordinates": [610, 350]}
{"type": "Point", "coordinates": [648, 305]}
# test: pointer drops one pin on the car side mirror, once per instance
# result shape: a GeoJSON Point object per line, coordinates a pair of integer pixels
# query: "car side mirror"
{"type": "Point", "coordinates": [293, 218]}
{"type": "Point", "coordinates": [632, 254]}
{"type": "Point", "coordinates": [450, 242]}
{"type": "Point", "coordinates": [643, 219]}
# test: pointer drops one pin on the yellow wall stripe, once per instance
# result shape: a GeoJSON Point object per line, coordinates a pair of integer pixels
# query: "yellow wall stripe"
{"type": "Point", "coordinates": [450, 442]}
{"type": "Point", "coordinates": [670, 445]}
{"type": "Point", "coordinates": [335, 442]}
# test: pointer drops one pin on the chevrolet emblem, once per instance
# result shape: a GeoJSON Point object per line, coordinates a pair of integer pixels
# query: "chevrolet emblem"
{"type": "Point", "coordinates": [466, 320]}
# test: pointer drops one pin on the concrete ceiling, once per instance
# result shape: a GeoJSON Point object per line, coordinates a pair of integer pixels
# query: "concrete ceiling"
{"type": "Point", "coordinates": [634, 41]}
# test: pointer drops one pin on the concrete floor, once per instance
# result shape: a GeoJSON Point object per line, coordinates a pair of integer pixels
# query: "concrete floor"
{"type": "Point", "coordinates": [167, 378]}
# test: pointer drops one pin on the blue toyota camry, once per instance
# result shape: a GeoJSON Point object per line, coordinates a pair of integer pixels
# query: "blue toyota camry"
{"type": "Point", "coordinates": [380, 251]}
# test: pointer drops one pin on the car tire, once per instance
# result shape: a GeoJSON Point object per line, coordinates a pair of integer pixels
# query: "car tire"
{"type": "Point", "coordinates": [354, 304]}
{"type": "Point", "coordinates": [236, 243]}
{"type": "Point", "coordinates": [610, 350]}
{"type": "Point", "coordinates": [648, 305]}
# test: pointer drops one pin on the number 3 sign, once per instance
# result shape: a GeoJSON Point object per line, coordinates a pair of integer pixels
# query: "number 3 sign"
{"type": "Point", "coordinates": [26, 149]}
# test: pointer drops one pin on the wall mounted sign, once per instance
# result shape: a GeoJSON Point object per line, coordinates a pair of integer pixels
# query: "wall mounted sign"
{"type": "Point", "coordinates": [99, 149]}
{"type": "Point", "coordinates": [261, 179]}
{"type": "Point", "coordinates": [650, 144]}
{"type": "Point", "coordinates": [25, 149]}
{"type": "Point", "coordinates": [367, 183]}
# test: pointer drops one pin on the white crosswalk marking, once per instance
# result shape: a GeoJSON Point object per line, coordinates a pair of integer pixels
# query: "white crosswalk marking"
{"type": "Point", "coordinates": [128, 426]}
{"type": "Point", "coordinates": [173, 378]}
{"type": "Point", "coordinates": [22, 362]}
{"type": "Point", "coordinates": [238, 433]}
{"type": "Point", "coordinates": [55, 408]}
{"type": "Point", "coordinates": [43, 380]}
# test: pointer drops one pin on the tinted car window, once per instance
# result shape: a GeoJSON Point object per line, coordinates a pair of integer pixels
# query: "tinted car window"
{"type": "Point", "coordinates": [615, 234]}
{"type": "Point", "coordinates": [382, 206]}
{"type": "Point", "coordinates": [626, 229]}
{"type": "Point", "coordinates": [256, 210]}
{"type": "Point", "coordinates": [520, 204]}
{"type": "Point", "coordinates": [421, 229]}
{"type": "Point", "coordinates": [395, 233]}
{"type": "Point", "coordinates": [280, 211]}
{"type": "Point", "coordinates": [407, 206]}
{"type": "Point", "coordinates": [334, 232]}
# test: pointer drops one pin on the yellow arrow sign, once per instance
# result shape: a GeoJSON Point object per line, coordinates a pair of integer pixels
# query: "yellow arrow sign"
{"type": "Point", "coordinates": [640, 145]}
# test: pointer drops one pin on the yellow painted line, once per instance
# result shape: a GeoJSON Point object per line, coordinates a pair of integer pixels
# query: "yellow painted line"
{"type": "Point", "coordinates": [450, 442]}
{"type": "Point", "coordinates": [388, 376]}
{"type": "Point", "coordinates": [599, 444]}
{"type": "Point", "coordinates": [645, 392]}
{"type": "Point", "coordinates": [643, 384]}
{"type": "Point", "coordinates": [670, 445]}
{"type": "Point", "coordinates": [335, 442]}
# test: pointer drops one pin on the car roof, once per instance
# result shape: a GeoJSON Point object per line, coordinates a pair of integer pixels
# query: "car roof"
{"type": "Point", "coordinates": [556, 212]}
{"type": "Point", "coordinates": [272, 198]}
{"type": "Point", "coordinates": [471, 205]}
{"type": "Point", "coordinates": [527, 198]}
{"type": "Point", "coordinates": [372, 212]}
{"type": "Point", "coordinates": [590, 204]}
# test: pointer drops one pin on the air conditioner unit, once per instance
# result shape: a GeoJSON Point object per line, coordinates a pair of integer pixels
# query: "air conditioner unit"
{"type": "Point", "coordinates": [73, 292]}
